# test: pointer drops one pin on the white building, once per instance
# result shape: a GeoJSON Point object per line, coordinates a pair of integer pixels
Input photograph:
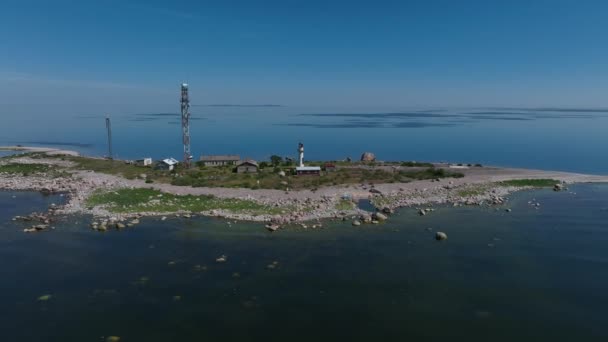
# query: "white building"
{"type": "Point", "coordinates": [166, 164]}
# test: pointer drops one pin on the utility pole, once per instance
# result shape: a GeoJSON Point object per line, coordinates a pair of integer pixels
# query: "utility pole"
{"type": "Point", "coordinates": [109, 129]}
{"type": "Point", "coordinates": [185, 101]}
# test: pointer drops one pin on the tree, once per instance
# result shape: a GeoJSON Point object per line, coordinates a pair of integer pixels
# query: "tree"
{"type": "Point", "coordinates": [275, 160]}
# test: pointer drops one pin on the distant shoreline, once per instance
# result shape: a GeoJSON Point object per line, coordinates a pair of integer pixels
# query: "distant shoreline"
{"type": "Point", "coordinates": [237, 105]}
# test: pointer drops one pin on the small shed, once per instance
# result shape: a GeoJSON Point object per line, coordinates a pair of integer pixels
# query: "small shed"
{"type": "Point", "coordinates": [166, 164]}
{"type": "Point", "coordinates": [220, 160]}
{"type": "Point", "coordinates": [308, 170]}
{"type": "Point", "coordinates": [144, 162]}
{"type": "Point", "coordinates": [247, 166]}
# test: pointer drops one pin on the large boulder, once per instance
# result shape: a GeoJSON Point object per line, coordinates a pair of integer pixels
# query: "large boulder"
{"type": "Point", "coordinates": [272, 227]}
{"type": "Point", "coordinates": [366, 218]}
{"type": "Point", "coordinates": [368, 157]}
{"type": "Point", "coordinates": [379, 217]}
{"type": "Point", "coordinates": [558, 187]}
{"type": "Point", "coordinates": [440, 236]}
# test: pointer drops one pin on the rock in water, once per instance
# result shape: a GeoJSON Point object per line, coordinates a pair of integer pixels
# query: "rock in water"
{"type": "Point", "coordinates": [44, 298]}
{"type": "Point", "coordinates": [112, 339]}
{"type": "Point", "coordinates": [356, 223]}
{"type": "Point", "coordinates": [379, 217]}
{"type": "Point", "coordinates": [272, 227]}
{"type": "Point", "coordinates": [368, 157]}
{"type": "Point", "coordinates": [558, 187]}
{"type": "Point", "coordinates": [440, 236]}
{"type": "Point", "coordinates": [221, 259]}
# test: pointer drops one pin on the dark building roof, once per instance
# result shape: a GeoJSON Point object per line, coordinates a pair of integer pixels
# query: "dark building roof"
{"type": "Point", "coordinates": [248, 162]}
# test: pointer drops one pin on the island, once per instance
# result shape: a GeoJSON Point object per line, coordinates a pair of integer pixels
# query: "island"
{"type": "Point", "coordinates": [117, 193]}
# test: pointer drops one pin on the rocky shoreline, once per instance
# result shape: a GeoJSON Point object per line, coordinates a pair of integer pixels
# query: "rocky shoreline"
{"type": "Point", "coordinates": [306, 208]}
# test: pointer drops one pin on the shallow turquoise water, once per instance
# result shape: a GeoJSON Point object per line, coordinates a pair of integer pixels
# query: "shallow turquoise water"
{"type": "Point", "coordinates": [529, 275]}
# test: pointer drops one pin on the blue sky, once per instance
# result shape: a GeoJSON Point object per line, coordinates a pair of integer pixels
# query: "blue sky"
{"type": "Point", "coordinates": [410, 53]}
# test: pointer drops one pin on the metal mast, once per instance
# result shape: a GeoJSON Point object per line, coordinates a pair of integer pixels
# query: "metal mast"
{"type": "Point", "coordinates": [109, 129]}
{"type": "Point", "coordinates": [185, 101]}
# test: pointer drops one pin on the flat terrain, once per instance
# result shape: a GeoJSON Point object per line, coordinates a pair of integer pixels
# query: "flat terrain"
{"type": "Point", "coordinates": [106, 187]}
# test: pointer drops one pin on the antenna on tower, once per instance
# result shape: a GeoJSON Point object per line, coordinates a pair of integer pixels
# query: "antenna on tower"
{"type": "Point", "coordinates": [185, 101]}
{"type": "Point", "coordinates": [109, 129]}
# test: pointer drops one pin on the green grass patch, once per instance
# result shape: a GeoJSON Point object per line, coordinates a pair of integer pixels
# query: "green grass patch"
{"type": "Point", "coordinates": [150, 200]}
{"type": "Point", "coordinates": [537, 183]}
{"type": "Point", "coordinates": [472, 192]}
{"type": "Point", "coordinates": [113, 167]}
{"type": "Point", "coordinates": [24, 169]}
{"type": "Point", "coordinates": [345, 205]}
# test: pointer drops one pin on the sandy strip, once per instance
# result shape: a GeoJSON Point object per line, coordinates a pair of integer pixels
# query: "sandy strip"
{"type": "Point", "coordinates": [47, 150]}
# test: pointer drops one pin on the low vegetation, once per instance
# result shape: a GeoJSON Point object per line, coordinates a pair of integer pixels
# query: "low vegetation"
{"type": "Point", "coordinates": [416, 164]}
{"type": "Point", "coordinates": [267, 177]}
{"type": "Point", "coordinates": [149, 200]}
{"type": "Point", "coordinates": [536, 183]}
{"type": "Point", "coordinates": [472, 191]}
{"type": "Point", "coordinates": [113, 167]}
{"type": "Point", "coordinates": [24, 169]}
{"type": "Point", "coordinates": [345, 205]}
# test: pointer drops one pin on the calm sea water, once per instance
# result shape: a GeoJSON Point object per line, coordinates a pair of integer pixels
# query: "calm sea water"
{"type": "Point", "coordinates": [529, 275]}
{"type": "Point", "coordinates": [545, 138]}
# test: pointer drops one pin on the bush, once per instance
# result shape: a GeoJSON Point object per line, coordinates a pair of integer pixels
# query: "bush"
{"type": "Point", "coordinates": [148, 181]}
{"type": "Point", "coordinates": [276, 160]}
{"type": "Point", "coordinates": [416, 164]}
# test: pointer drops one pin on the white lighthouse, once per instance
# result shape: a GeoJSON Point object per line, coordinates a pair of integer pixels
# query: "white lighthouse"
{"type": "Point", "coordinates": [305, 170]}
{"type": "Point", "coordinates": [301, 155]}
